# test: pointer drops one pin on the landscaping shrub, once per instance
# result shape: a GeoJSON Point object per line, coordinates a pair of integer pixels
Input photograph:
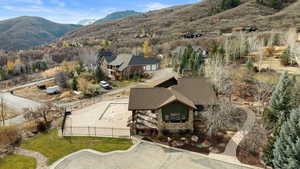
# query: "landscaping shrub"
{"type": "Point", "coordinates": [285, 57]}
{"type": "Point", "coordinates": [165, 132]}
{"type": "Point", "coordinates": [161, 137]}
{"type": "Point", "coordinates": [9, 136]}
{"type": "Point", "coordinates": [42, 126]}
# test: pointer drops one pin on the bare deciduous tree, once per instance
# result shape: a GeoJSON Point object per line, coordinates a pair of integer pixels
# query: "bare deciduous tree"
{"type": "Point", "coordinates": [291, 40]}
{"type": "Point", "coordinates": [88, 56]}
{"type": "Point", "coordinates": [218, 116]}
{"type": "Point", "coordinates": [45, 112]}
{"type": "Point", "coordinates": [262, 94]}
{"type": "Point", "coordinates": [219, 76]}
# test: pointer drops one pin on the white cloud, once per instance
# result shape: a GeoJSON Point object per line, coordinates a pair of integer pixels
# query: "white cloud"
{"type": "Point", "coordinates": [155, 6]}
{"type": "Point", "coordinates": [58, 2]}
{"type": "Point", "coordinates": [37, 2]}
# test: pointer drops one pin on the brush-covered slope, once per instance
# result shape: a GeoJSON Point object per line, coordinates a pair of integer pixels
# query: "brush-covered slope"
{"type": "Point", "coordinates": [168, 24]}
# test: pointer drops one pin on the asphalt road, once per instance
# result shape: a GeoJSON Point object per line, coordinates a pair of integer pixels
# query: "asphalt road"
{"type": "Point", "coordinates": [27, 85]}
{"type": "Point", "coordinates": [18, 104]}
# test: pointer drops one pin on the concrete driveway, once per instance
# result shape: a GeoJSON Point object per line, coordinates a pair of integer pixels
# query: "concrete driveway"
{"type": "Point", "coordinates": [143, 156]}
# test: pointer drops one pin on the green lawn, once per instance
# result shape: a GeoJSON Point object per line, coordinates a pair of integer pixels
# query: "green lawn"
{"type": "Point", "coordinates": [55, 147]}
{"type": "Point", "coordinates": [17, 162]}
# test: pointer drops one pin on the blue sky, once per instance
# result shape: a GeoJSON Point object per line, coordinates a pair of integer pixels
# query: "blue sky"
{"type": "Point", "coordinates": [72, 11]}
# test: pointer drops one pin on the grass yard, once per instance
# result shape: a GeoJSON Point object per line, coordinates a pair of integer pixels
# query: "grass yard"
{"type": "Point", "coordinates": [123, 83]}
{"type": "Point", "coordinates": [17, 162]}
{"type": "Point", "coordinates": [54, 147]}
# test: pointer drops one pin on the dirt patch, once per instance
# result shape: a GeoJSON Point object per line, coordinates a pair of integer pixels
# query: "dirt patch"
{"type": "Point", "coordinates": [36, 94]}
{"type": "Point", "coordinates": [275, 64]}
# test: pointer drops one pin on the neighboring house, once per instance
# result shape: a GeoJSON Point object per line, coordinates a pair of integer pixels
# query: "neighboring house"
{"type": "Point", "coordinates": [173, 108]}
{"type": "Point", "coordinates": [180, 50]}
{"type": "Point", "coordinates": [126, 65]}
{"type": "Point", "coordinates": [105, 61]}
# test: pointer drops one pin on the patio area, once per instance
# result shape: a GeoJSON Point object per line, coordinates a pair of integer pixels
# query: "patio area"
{"type": "Point", "coordinates": [104, 119]}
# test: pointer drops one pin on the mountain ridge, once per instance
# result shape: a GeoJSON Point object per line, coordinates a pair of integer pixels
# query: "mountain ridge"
{"type": "Point", "coordinates": [27, 31]}
{"type": "Point", "coordinates": [118, 15]}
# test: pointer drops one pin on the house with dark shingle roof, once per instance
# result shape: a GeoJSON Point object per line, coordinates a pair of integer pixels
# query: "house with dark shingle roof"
{"type": "Point", "coordinates": [171, 108]}
{"type": "Point", "coordinates": [126, 65]}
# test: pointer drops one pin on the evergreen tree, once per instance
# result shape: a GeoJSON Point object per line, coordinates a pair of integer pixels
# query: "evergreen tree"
{"type": "Point", "coordinates": [285, 57]}
{"type": "Point", "coordinates": [99, 74]}
{"type": "Point", "coordinates": [277, 4]}
{"type": "Point", "coordinates": [281, 99]}
{"type": "Point", "coordinates": [267, 155]}
{"type": "Point", "coordinates": [74, 83]}
{"type": "Point", "coordinates": [287, 147]}
{"type": "Point", "coordinates": [228, 4]}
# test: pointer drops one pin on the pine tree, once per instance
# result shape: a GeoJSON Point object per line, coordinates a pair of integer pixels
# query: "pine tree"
{"type": "Point", "coordinates": [285, 57]}
{"type": "Point", "coordinates": [99, 74]}
{"type": "Point", "coordinates": [74, 83]}
{"type": "Point", "coordinates": [287, 147]}
{"type": "Point", "coordinates": [281, 99]}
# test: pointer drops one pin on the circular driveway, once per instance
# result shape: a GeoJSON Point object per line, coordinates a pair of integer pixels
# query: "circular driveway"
{"type": "Point", "coordinates": [142, 156]}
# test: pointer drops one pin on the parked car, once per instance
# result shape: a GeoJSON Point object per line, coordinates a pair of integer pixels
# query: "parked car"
{"type": "Point", "coordinates": [42, 87]}
{"type": "Point", "coordinates": [105, 85]}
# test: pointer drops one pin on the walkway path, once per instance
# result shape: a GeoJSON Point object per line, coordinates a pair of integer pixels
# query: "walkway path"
{"type": "Point", "coordinates": [231, 148]}
{"type": "Point", "coordinates": [41, 159]}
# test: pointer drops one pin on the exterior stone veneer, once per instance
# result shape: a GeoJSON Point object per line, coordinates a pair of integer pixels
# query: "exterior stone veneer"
{"type": "Point", "coordinates": [174, 127]}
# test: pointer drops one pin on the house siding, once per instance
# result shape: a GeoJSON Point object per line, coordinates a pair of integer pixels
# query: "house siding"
{"type": "Point", "coordinates": [174, 127]}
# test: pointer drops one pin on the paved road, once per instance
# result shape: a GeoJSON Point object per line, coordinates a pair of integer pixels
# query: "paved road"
{"type": "Point", "coordinates": [143, 156]}
{"type": "Point", "coordinates": [18, 104]}
{"type": "Point", "coordinates": [28, 85]}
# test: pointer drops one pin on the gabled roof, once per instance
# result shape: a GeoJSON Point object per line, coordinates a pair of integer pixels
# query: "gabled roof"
{"type": "Point", "coordinates": [166, 82]}
{"type": "Point", "coordinates": [180, 98]}
{"type": "Point", "coordinates": [109, 58]}
{"type": "Point", "coordinates": [155, 98]}
{"type": "Point", "coordinates": [141, 60]}
{"type": "Point", "coordinates": [125, 60]}
{"type": "Point", "coordinates": [122, 61]}
{"type": "Point", "coordinates": [199, 90]}
{"type": "Point", "coordinates": [148, 98]}
{"type": "Point", "coordinates": [189, 91]}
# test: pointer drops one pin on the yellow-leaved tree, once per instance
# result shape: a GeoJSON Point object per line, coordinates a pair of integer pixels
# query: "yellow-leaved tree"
{"type": "Point", "coordinates": [10, 65]}
{"type": "Point", "coordinates": [147, 49]}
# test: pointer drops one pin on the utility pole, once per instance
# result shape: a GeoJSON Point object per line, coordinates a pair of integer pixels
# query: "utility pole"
{"type": "Point", "coordinates": [2, 112]}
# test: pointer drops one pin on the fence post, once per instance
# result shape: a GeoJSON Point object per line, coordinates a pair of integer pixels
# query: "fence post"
{"type": "Point", "coordinates": [71, 130]}
{"type": "Point", "coordinates": [112, 132]}
{"type": "Point", "coordinates": [95, 132]}
{"type": "Point", "coordinates": [89, 130]}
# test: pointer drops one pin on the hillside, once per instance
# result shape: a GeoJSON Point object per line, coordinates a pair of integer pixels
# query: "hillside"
{"type": "Point", "coordinates": [118, 15]}
{"type": "Point", "coordinates": [25, 32]}
{"type": "Point", "coordinates": [168, 24]}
